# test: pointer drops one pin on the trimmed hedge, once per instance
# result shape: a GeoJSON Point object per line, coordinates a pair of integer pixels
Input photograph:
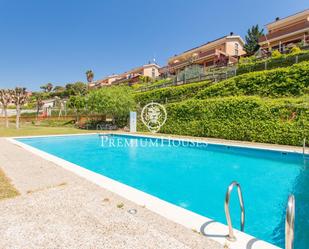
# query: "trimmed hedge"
{"type": "Point", "coordinates": [282, 82]}
{"type": "Point", "coordinates": [284, 61]}
{"type": "Point", "coordinates": [281, 121]}
{"type": "Point", "coordinates": [175, 93]}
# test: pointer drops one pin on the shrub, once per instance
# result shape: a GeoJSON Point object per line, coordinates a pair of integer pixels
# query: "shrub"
{"type": "Point", "coordinates": [295, 50]}
{"type": "Point", "coordinates": [249, 59]}
{"type": "Point", "coordinates": [291, 81]}
{"type": "Point", "coordinates": [282, 121]}
{"type": "Point", "coordinates": [156, 83]}
{"type": "Point", "coordinates": [276, 54]}
{"type": "Point", "coordinates": [283, 61]}
{"type": "Point", "coordinates": [171, 93]}
{"type": "Point", "coordinates": [116, 102]}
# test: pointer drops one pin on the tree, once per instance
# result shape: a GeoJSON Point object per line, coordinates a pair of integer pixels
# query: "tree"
{"type": "Point", "coordinates": [19, 98]}
{"type": "Point", "coordinates": [47, 88]}
{"type": "Point", "coordinates": [59, 89]}
{"type": "Point", "coordinates": [77, 103]}
{"type": "Point", "coordinates": [89, 76]}
{"type": "Point", "coordinates": [78, 88]}
{"type": "Point", "coordinates": [252, 39]}
{"type": "Point", "coordinates": [114, 101]}
{"type": "Point", "coordinates": [5, 100]}
{"type": "Point", "coordinates": [39, 102]}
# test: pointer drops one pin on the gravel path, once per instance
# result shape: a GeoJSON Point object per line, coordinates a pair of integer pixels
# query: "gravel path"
{"type": "Point", "coordinates": [57, 209]}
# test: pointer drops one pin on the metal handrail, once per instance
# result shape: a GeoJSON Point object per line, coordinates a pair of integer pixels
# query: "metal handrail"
{"type": "Point", "coordinates": [289, 223]}
{"type": "Point", "coordinates": [231, 236]}
{"type": "Point", "coordinates": [304, 146]}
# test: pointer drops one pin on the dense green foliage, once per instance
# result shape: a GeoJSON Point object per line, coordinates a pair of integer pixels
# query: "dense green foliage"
{"type": "Point", "coordinates": [47, 87]}
{"type": "Point", "coordinates": [276, 61]}
{"type": "Point", "coordinates": [177, 93]}
{"type": "Point", "coordinates": [78, 104]}
{"type": "Point", "coordinates": [290, 81]}
{"type": "Point", "coordinates": [269, 106]}
{"type": "Point", "coordinates": [282, 121]}
{"type": "Point", "coordinates": [77, 88]}
{"type": "Point", "coordinates": [153, 84]}
{"type": "Point", "coordinates": [49, 92]}
{"type": "Point", "coordinates": [113, 101]}
{"type": "Point", "coordinates": [252, 39]}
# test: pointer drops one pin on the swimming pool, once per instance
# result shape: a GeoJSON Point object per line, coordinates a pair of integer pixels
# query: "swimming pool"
{"type": "Point", "coordinates": [195, 176]}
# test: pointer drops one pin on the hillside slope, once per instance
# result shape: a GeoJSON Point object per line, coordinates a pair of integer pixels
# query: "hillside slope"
{"type": "Point", "coordinates": [268, 106]}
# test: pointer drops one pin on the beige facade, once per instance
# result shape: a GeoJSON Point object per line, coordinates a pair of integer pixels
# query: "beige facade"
{"type": "Point", "coordinates": [132, 76]}
{"type": "Point", "coordinates": [287, 32]}
{"type": "Point", "coordinates": [151, 71]}
{"type": "Point", "coordinates": [223, 51]}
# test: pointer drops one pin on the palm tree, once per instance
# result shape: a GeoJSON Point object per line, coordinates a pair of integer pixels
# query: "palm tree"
{"type": "Point", "coordinates": [90, 76]}
{"type": "Point", "coordinates": [19, 98]}
{"type": "Point", "coordinates": [5, 100]}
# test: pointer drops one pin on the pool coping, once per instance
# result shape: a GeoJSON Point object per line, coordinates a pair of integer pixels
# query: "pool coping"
{"type": "Point", "coordinates": [211, 229]}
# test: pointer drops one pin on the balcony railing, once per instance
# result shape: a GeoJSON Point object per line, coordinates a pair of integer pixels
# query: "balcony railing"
{"type": "Point", "coordinates": [200, 55]}
{"type": "Point", "coordinates": [286, 31]}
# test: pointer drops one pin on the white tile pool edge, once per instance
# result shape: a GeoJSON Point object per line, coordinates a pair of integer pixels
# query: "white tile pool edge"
{"type": "Point", "coordinates": [260, 146]}
{"type": "Point", "coordinates": [281, 148]}
{"type": "Point", "coordinates": [214, 230]}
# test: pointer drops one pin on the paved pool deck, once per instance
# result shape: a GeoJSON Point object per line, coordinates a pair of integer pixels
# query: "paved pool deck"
{"type": "Point", "coordinates": [58, 209]}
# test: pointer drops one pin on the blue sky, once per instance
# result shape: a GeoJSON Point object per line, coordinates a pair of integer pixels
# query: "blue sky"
{"type": "Point", "coordinates": [56, 41]}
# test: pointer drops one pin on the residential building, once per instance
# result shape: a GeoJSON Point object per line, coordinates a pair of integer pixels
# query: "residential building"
{"type": "Point", "coordinates": [286, 32]}
{"type": "Point", "coordinates": [164, 71]}
{"type": "Point", "coordinates": [222, 51]}
{"type": "Point", "coordinates": [107, 81]}
{"type": "Point", "coordinates": [150, 70]}
{"type": "Point", "coordinates": [47, 106]}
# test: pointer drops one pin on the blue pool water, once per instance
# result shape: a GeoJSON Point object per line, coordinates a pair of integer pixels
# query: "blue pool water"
{"type": "Point", "coordinates": [195, 177]}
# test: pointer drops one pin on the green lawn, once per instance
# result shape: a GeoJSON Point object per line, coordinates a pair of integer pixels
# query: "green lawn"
{"type": "Point", "coordinates": [31, 130]}
{"type": "Point", "coordinates": [6, 189]}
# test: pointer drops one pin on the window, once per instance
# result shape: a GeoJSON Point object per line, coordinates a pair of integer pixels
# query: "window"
{"type": "Point", "coordinates": [236, 49]}
{"type": "Point", "coordinates": [153, 73]}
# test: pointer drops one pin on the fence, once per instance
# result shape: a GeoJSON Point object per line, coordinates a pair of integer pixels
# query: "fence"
{"type": "Point", "coordinates": [216, 74]}
{"type": "Point", "coordinates": [52, 118]}
{"type": "Point", "coordinates": [272, 63]}
{"type": "Point", "coordinates": [212, 75]}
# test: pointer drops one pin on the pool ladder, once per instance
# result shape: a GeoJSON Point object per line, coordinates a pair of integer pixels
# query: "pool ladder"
{"type": "Point", "coordinates": [304, 149]}
{"type": "Point", "coordinates": [289, 223]}
{"type": "Point", "coordinates": [289, 218]}
{"type": "Point", "coordinates": [231, 236]}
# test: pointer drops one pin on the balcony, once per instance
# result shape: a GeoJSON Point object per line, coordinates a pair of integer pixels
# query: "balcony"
{"type": "Point", "coordinates": [199, 57]}
{"type": "Point", "coordinates": [286, 31]}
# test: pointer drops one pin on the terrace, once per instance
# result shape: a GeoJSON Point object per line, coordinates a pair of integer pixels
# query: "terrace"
{"type": "Point", "coordinates": [195, 59]}
{"type": "Point", "coordinates": [287, 31]}
{"type": "Point", "coordinates": [222, 51]}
